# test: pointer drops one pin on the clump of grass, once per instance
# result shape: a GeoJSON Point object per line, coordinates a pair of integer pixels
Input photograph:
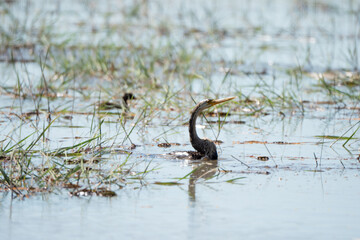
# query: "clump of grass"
{"type": "Point", "coordinates": [26, 168]}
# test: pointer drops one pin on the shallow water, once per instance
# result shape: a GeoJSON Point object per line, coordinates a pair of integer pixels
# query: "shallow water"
{"type": "Point", "coordinates": [306, 188]}
{"type": "Point", "coordinates": [282, 205]}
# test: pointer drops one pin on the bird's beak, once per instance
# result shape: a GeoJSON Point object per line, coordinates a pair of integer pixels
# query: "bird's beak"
{"type": "Point", "coordinates": [217, 101]}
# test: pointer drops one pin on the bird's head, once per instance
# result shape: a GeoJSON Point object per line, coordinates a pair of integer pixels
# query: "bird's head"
{"type": "Point", "coordinates": [212, 102]}
{"type": "Point", "coordinates": [128, 96]}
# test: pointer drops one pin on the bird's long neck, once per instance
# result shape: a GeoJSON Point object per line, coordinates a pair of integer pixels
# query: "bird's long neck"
{"type": "Point", "coordinates": [194, 138]}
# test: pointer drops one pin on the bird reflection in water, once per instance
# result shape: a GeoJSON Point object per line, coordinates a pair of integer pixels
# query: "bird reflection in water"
{"type": "Point", "coordinates": [205, 169]}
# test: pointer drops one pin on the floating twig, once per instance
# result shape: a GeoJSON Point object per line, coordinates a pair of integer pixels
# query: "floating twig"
{"type": "Point", "coordinates": [316, 160]}
{"type": "Point", "coordinates": [241, 162]}
{"type": "Point", "coordinates": [270, 155]}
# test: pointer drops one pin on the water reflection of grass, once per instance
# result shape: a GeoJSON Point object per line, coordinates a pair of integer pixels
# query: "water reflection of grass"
{"type": "Point", "coordinates": [59, 74]}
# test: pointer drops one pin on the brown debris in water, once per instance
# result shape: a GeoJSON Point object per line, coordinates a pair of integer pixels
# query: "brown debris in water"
{"type": "Point", "coordinates": [245, 172]}
{"type": "Point", "coordinates": [256, 172]}
{"type": "Point", "coordinates": [238, 122]}
{"type": "Point", "coordinates": [67, 117]}
{"type": "Point", "coordinates": [120, 151]}
{"type": "Point", "coordinates": [70, 185]}
{"type": "Point", "coordinates": [107, 105]}
{"type": "Point", "coordinates": [167, 145]}
{"type": "Point", "coordinates": [266, 142]}
{"type": "Point", "coordinates": [227, 122]}
{"type": "Point", "coordinates": [164, 145]}
{"type": "Point", "coordinates": [263, 158]}
{"type": "Point", "coordinates": [168, 183]}
{"type": "Point", "coordinates": [79, 160]}
{"type": "Point", "coordinates": [4, 158]}
{"type": "Point", "coordinates": [216, 114]}
{"type": "Point", "coordinates": [102, 192]}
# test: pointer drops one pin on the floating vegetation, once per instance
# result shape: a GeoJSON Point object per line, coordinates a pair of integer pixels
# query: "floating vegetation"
{"type": "Point", "coordinates": [164, 145]}
{"type": "Point", "coordinates": [262, 158]}
{"type": "Point", "coordinates": [168, 183]}
{"type": "Point", "coordinates": [93, 192]}
{"type": "Point", "coordinates": [334, 137]}
{"type": "Point", "coordinates": [167, 145]}
{"type": "Point", "coordinates": [265, 142]}
{"type": "Point", "coordinates": [233, 180]}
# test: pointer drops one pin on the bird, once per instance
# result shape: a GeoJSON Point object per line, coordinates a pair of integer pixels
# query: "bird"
{"type": "Point", "coordinates": [205, 147]}
{"type": "Point", "coordinates": [107, 105]}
